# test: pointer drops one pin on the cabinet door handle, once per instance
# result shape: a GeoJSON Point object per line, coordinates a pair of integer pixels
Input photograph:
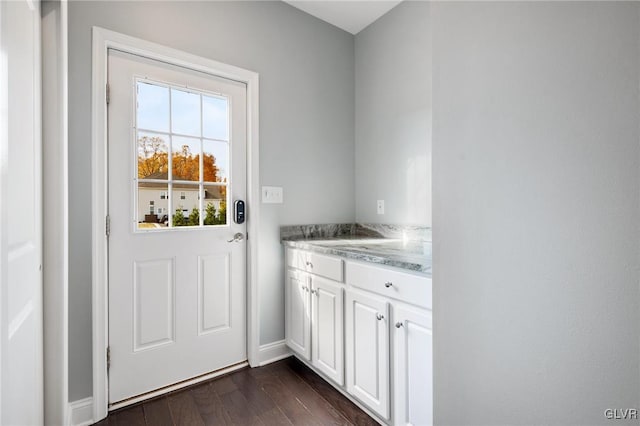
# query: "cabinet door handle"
{"type": "Point", "coordinates": [380, 317]}
{"type": "Point", "coordinates": [309, 264]}
{"type": "Point", "coordinates": [388, 284]}
{"type": "Point", "coordinates": [399, 324]}
{"type": "Point", "coordinates": [314, 292]}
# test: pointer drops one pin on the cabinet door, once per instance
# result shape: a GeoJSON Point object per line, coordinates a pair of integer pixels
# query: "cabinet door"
{"type": "Point", "coordinates": [367, 340]}
{"type": "Point", "coordinates": [297, 313]}
{"type": "Point", "coordinates": [327, 328]}
{"type": "Point", "coordinates": [413, 367]}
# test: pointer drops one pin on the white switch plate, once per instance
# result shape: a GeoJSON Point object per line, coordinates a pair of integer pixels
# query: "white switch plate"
{"type": "Point", "coordinates": [272, 194]}
{"type": "Point", "coordinates": [380, 206]}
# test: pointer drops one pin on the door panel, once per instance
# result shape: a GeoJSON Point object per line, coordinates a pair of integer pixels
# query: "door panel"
{"type": "Point", "coordinates": [177, 286]}
{"type": "Point", "coordinates": [367, 338]}
{"type": "Point", "coordinates": [214, 297]}
{"type": "Point", "coordinates": [327, 328]}
{"type": "Point", "coordinates": [153, 303]}
{"type": "Point", "coordinates": [21, 396]}
{"type": "Point", "coordinates": [297, 313]}
{"type": "Point", "coordinates": [413, 373]}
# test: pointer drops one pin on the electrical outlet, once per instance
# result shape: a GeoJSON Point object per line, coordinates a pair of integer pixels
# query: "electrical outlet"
{"type": "Point", "coordinates": [380, 206]}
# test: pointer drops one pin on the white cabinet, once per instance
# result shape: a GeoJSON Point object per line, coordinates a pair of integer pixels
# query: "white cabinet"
{"type": "Point", "coordinates": [390, 283]}
{"type": "Point", "coordinates": [315, 263]}
{"type": "Point", "coordinates": [367, 350]}
{"type": "Point", "coordinates": [327, 327]}
{"type": "Point", "coordinates": [298, 313]}
{"type": "Point", "coordinates": [413, 366]}
{"type": "Point", "coordinates": [314, 311]}
{"type": "Point", "coordinates": [365, 327]}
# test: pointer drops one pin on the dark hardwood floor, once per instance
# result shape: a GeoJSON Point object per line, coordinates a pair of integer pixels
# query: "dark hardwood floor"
{"type": "Point", "coordinates": [286, 392]}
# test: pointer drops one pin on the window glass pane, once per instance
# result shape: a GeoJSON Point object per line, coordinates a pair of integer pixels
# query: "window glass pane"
{"type": "Point", "coordinates": [150, 205]}
{"type": "Point", "coordinates": [215, 161]}
{"type": "Point", "coordinates": [215, 115]}
{"type": "Point", "coordinates": [153, 107]}
{"type": "Point", "coordinates": [153, 160]}
{"type": "Point", "coordinates": [186, 205]}
{"type": "Point", "coordinates": [185, 112]}
{"type": "Point", "coordinates": [215, 205]}
{"type": "Point", "coordinates": [186, 158]}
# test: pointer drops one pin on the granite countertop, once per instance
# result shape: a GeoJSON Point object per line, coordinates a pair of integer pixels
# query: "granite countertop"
{"type": "Point", "coordinates": [410, 254]}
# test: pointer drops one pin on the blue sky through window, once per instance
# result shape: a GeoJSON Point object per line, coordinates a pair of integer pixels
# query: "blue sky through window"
{"type": "Point", "coordinates": [215, 117]}
{"type": "Point", "coordinates": [185, 113]}
{"type": "Point", "coordinates": [153, 107]}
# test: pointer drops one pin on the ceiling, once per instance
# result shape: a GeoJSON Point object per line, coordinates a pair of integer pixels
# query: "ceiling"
{"type": "Point", "coordinates": [350, 15]}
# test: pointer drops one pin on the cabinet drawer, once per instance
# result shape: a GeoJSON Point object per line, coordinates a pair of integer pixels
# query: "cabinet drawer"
{"type": "Point", "coordinates": [406, 287]}
{"type": "Point", "coordinates": [315, 263]}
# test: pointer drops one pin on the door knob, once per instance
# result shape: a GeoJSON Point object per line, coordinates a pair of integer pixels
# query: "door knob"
{"type": "Point", "coordinates": [238, 237]}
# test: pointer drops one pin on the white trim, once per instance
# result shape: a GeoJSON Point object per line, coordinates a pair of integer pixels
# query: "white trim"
{"type": "Point", "coordinates": [80, 412]}
{"type": "Point", "coordinates": [178, 386]}
{"type": "Point", "coordinates": [4, 174]}
{"type": "Point", "coordinates": [272, 352]}
{"type": "Point", "coordinates": [103, 40]}
{"type": "Point", "coordinates": [56, 221]}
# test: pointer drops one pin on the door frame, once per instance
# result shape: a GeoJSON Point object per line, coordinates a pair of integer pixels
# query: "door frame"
{"type": "Point", "coordinates": [103, 40]}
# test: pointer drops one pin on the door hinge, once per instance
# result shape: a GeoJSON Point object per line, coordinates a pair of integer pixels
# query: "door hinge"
{"type": "Point", "coordinates": [108, 93]}
{"type": "Point", "coordinates": [108, 358]}
{"type": "Point", "coordinates": [107, 225]}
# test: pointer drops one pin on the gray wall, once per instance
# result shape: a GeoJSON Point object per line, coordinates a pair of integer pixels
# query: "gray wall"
{"type": "Point", "coordinates": [536, 184]}
{"type": "Point", "coordinates": [393, 117]}
{"type": "Point", "coordinates": [306, 124]}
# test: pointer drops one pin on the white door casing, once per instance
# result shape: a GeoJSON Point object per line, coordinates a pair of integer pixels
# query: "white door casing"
{"type": "Point", "coordinates": [177, 301]}
{"type": "Point", "coordinates": [367, 350]}
{"type": "Point", "coordinates": [21, 394]}
{"type": "Point", "coordinates": [327, 307]}
{"type": "Point", "coordinates": [413, 367]}
{"type": "Point", "coordinates": [102, 41]}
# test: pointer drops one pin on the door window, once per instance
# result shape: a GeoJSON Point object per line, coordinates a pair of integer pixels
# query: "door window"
{"type": "Point", "coordinates": [182, 138]}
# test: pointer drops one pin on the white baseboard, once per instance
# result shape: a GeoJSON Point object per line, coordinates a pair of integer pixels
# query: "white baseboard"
{"type": "Point", "coordinates": [272, 352]}
{"type": "Point", "coordinates": [80, 412]}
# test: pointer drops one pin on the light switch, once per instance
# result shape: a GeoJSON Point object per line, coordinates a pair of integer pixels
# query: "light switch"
{"type": "Point", "coordinates": [272, 194]}
{"type": "Point", "coordinates": [380, 206]}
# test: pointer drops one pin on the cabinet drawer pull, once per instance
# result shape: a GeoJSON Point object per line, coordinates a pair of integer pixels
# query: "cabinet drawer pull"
{"type": "Point", "coordinates": [380, 317]}
{"type": "Point", "coordinates": [388, 284]}
{"type": "Point", "coordinates": [399, 324]}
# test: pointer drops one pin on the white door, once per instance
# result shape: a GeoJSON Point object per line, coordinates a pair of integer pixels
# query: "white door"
{"type": "Point", "coordinates": [21, 396]}
{"type": "Point", "coordinates": [177, 280]}
{"type": "Point", "coordinates": [298, 313]}
{"type": "Point", "coordinates": [413, 372]}
{"type": "Point", "coordinates": [367, 339]}
{"type": "Point", "coordinates": [327, 328]}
